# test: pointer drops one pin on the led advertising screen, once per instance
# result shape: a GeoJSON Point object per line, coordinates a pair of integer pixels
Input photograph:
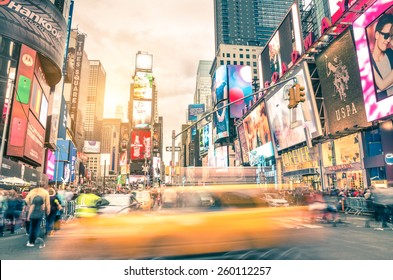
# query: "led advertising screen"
{"type": "Point", "coordinates": [240, 86]}
{"type": "Point", "coordinates": [20, 104]}
{"type": "Point", "coordinates": [375, 57]}
{"type": "Point", "coordinates": [156, 167]}
{"type": "Point", "coordinates": [91, 147]}
{"type": "Point", "coordinates": [220, 85]}
{"type": "Point", "coordinates": [205, 138]}
{"type": "Point", "coordinates": [276, 57]}
{"type": "Point", "coordinates": [35, 139]}
{"type": "Point", "coordinates": [40, 25]}
{"type": "Point", "coordinates": [140, 144]}
{"type": "Point", "coordinates": [288, 126]}
{"type": "Point", "coordinates": [341, 87]}
{"type": "Point", "coordinates": [221, 121]}
{"type": "Point", "coordinates": [194, 110]}
{"type": "Point", "coordinates": [144, 61]}
{"type": "Point", "coordinates": [143, 85]}
{"type": "Point", "coordinates": [142, 114]}
{"type": "Point", "coordinates": [50, 164]}
{"type": "Point", "coordinates": [257, 132]}
{"type": "Point", "coordinates": [243, 144]}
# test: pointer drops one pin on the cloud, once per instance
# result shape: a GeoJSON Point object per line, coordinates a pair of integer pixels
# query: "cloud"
{"type": "Point", "coordinates": [177, 33]}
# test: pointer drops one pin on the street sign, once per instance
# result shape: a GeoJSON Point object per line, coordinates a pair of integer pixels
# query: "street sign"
{"type": "Point", "coordinates": [169, 149]}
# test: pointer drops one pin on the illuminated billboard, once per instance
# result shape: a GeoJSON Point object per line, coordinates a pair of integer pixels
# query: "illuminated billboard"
{"type": "Point", "coordinates": [257, 132]}
{"type": "Point", "coordinates": [341, 87]}
{"type": "Point", "coordinates": [282, 50]}
{"type": "Point", "coordinates": [140, 144]}
{"type": "Point", "coordinates": [92, 147]}
{"type": "Point", "coordinates": [194, 110]}
{"type": "Point", "coordinates": [143, 85]}
{"type": "Point", "coordinates": [240, 86]}
{"type": "Point", "coordinates": [141, 114]}
{"type": "Point", "coordinates": [205, 138]}
{"type": "Point", "coordinates": [144, 61]}
{"type": "Point", "coordinates": [373, 42]}
{"type": "Point", "coordinates": [243, 144]}
{"type": "Point", "coordinates": [221, 121]}
{"type": "Point", "coordinates": [220, 85]}
{"type": "Point", "coordinates": [50, 164]}
{"type": "Point", "coordinates": [289, 126]}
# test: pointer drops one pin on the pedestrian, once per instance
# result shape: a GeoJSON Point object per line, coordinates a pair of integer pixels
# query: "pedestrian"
{"type": "Point", "coordinates": [55, 205]}
{"type": "Point", "coordinates": [3, 207]}
{"type": "Point", "coordinates": [14, 209]}
{"type": "Point", "coordinates": [38, 203]}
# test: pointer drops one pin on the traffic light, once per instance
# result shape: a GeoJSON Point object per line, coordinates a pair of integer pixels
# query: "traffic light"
{"type": "Point", "coordinates": [300, 95]}
{"type": "Point", "coordinates": [291, 95]}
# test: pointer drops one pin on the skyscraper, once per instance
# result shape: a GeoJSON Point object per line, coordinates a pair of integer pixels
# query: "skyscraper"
{"type": "Point", "coordinates": [203, 84]}
{"type": "Point", "coordinates": [95, 101]}
{"type": "Point", "coordinates": [247, 22]}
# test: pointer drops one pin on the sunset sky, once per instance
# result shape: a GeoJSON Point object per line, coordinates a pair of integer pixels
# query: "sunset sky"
{"type": "Point", "coordinates": [177, 33]}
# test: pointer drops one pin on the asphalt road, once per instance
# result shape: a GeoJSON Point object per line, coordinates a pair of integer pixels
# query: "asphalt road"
{"type": "Point", "coordinates": [350, 240]}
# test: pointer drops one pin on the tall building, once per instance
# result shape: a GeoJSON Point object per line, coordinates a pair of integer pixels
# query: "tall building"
{"type": "Point", "coordinates": [247, 22]}
{"type": "Point", "coordinates": [119, 112]}
{"type": "Point", "coordinates": [110, 143]}
{"type": "Point", "coordinates": [95, 101]}
{"type": "Point", "coordinates": [203, 85]}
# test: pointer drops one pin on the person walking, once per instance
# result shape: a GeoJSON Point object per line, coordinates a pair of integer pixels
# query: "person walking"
{"type": "Point", "coordinates": [54, 207]}
{"type": "Point", "coordinates": [14, 209]}
{"type": "Point", "coordinates": [38, 202]}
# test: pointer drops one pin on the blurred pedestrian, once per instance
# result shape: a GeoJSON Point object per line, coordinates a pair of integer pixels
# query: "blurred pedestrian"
{"type": "Point", "coordinates": [55, 205]}
{"type": "Point", "coordinates": [3, 207]}
{"type": "Point", "coordinates": [38, 203]}
{"type": "Point", "coordinates": [14, 209]}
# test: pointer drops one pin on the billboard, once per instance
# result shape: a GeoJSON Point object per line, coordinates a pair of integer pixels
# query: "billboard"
{"type": "Point", "coordinates": [140, 144]}
{"type": "Point", "coordinates": [373, 42]}
{"type": "Point", "coordinates": [35, 138]}
{"type": "Point", "coordinates": [205, 138]}
{"type": "Point", "coordinates": [156, 167]}
{"type": "Point", "coordinates": [91, 147]}
{"type": "Point", "coordinates": [341, 86]}
{"type": "Point", "coordinates": [20, 104]}
{"type": "Point", "coordinates": [143, 85]}
{"type": "Point", "coordinates": [282, 50]}
{"type": "Point", "coordinates": [257, 132]}
{"type": "Point", "coordinates": [194, 110]}
{"type": "Point", "coordinates": [290, 126]}
{"type": "Point", "coordinates": [142, 114]}
{"type": "Point", "coordinates": [50, 164]}
{"type": "Point", "coordinates": [41, 26]}
{"type": "Point", "coordinates": [125, 137]}
{"type": "Point", "coordinates": [221, 121]}
{"type": "Point", "coordinates": [144, 61]}
{"type": "Point", "coordinates": [219, 85]}
{"type": "Point", "coordinates": [240, 86]}
{"type": "Point", "coordinates": [157, 140]}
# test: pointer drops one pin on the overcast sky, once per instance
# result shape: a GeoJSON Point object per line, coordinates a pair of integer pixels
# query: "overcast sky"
{"type": "Point", "coordinates": [178, 33]}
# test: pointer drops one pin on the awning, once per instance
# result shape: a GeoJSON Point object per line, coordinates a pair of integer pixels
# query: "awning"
{"type": "Point", "coordinates": [302, 172]}
{"type": "Point", "coordinates": [14, 181]}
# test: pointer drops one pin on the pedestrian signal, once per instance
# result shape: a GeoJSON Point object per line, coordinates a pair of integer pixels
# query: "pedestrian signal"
{"type": "Point", "coordinates": [300, 95]}
{"type": "Point", "coordinates": [292, 101]}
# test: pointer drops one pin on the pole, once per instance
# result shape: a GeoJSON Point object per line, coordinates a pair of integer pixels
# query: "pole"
{"type": "Point", "coordinates": [57, 165]}
{"type": "Point", "coordinates": [173, 156]}
{"type": "Point", "coordinates": [103, 181]}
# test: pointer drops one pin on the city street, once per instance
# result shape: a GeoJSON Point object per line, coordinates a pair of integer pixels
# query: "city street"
{"type": "Point", "coordinates": [349, 240]}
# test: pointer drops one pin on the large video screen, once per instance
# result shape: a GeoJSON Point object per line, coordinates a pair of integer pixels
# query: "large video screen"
{"type": "Point", "coordinates": [289, 126]}
{"type": "Point", "coordinates": [373, 37]}
{"type": "Point", "coordinates": [221, 121]}
{"type": "Point", "coordinates": [276, 57]}
{"type": "Point", "coordinates": [257, 132]}
{"type": "Point", "coordinates": [341, 87]}
{"type": "Point", "coordinates": [240, 86]}
{"type": "Point", "coordinates": [143, 85]}
{"type": "Point", "coordinates": [142, 114]}
{"type": "Point", "coordinates": [220, 85]}
{"type": "Point", "coordinates": [205, 138]}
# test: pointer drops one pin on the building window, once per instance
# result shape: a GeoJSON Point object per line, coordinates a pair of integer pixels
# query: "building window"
{"type": "Point", "coordinates": [373, 143]}
{"type": "Point", "coordinates": [241, 55]}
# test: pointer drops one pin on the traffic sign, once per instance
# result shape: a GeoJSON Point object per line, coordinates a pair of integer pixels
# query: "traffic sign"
{"type": "Point", "coordinates": [169, 149]}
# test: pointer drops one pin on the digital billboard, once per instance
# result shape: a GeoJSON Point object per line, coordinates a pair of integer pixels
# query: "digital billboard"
{"type": "Point", "coordinates": [240, 86]}
{"type": "Point", "coordinates": [143, 85]}
{"type": "Point", "coordinates": [373, 36]}
{"type": "Point", "coordinates": [141, 114]}
{"type": "Point", "coordinates": [220, 85]}
{"type": "Point", "coordinates": [91, 147]}
{"type": "Point", "coordinates": [205, 138]}
{"type": "Point", "coordinates": [282, 50]}
{"type": "Point", "coordinates": [221, 121]}
{"type": "Point", "coordinates": [194, 110]}
{"type": "Point", "coordinates": [140, 144]}
{"type": "Point", "coordinates": [341, 86]}
{"type": "Point", "coordinates": [257, 132]}
{"type": "Point", "coordinates": [41, 26]}
{"type": "Point", "coordinates": [35, 139]}
{"type": "Point", "coordinates": [144, 61]}
{"type": "Point", "coordinates": [50, 164]}
{"type": "Point", "coordinates": [289, 126]}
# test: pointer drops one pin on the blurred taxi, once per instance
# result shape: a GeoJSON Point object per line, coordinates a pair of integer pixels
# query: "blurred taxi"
{"type": "Point", "coordinates": [144, 235]}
